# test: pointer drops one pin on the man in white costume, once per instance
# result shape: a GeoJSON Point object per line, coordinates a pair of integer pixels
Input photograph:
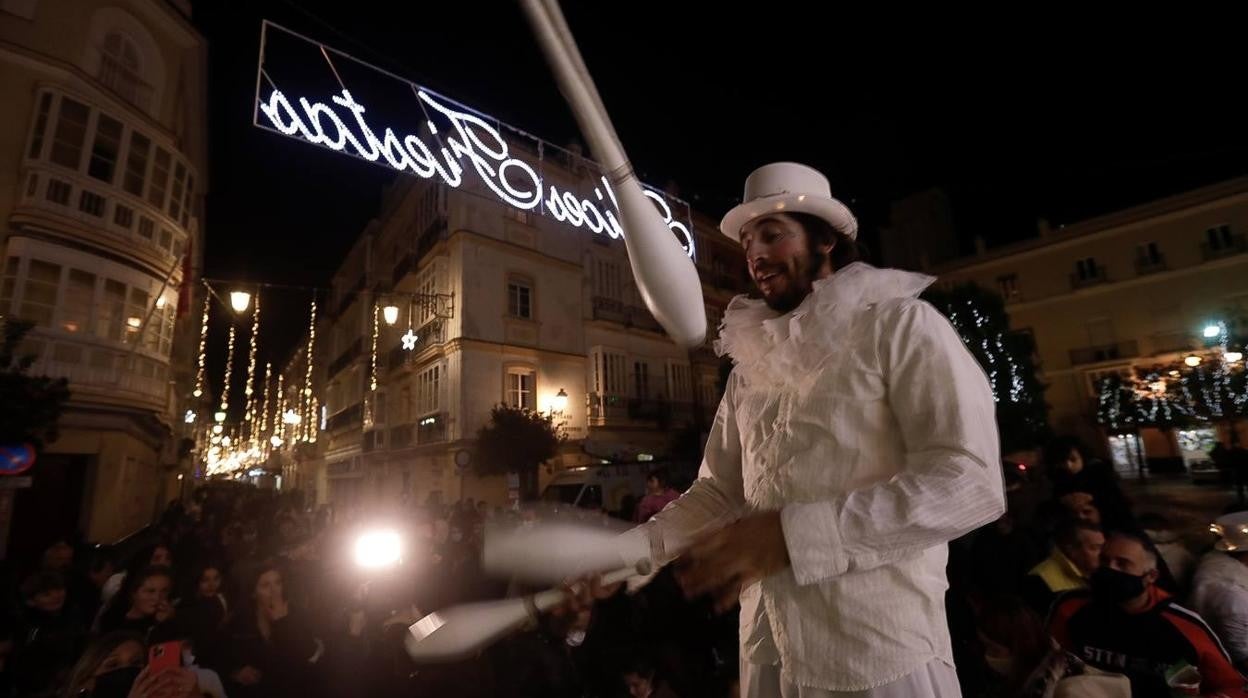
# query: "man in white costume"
{"type": "Point", "coordinates": [856, 437]}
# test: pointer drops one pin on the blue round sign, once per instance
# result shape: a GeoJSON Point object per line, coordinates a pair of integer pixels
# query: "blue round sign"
{"type": "Point", "coordinates": [16, 459]}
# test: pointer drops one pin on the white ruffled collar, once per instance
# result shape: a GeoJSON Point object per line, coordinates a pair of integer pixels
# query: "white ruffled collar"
{"type": "Point", "coordinates": [767, 344]}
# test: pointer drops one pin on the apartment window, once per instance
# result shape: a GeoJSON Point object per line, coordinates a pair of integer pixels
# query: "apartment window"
{"type": "Point", "coordinates": [1086, 269]}
{"type": "Point", "coordinates": [175, 197]}
{"type": "Point", "coordinates": [91, 203]}
{"type": "Point", "coordinates": [405, 405]}
{"type": "Point", "coordinates": [609, 378]}
{"type": "Point", "coordinates": [136, 163]}
{"type": "Point", "coordinates": [1008, 285]}
{"type": "Point", "coordinates": [518, 215]}
{"type": "Point", "coordinates": [8, 284]}
{"type": "Point", "coordinates": [379, 408]}
{"type": "Point", "coordinates": [1219, 237]}
{"type": "Point", "coordinates": [71, 130]}
{"type": "Point", "coordinates": [112, 311]}
{"type": "Point", "coordinates": [136, 311]}
{"type": "Point", "coordinates": [160, 179]}
{"type": "Point", "coordinates": [58, 192]}
{"type": "Point", "coordinates": [166, 320]}
{"type": "Point", "coordinates": [147, 229]}
{"type": "Point", "coordinates": [520, 384]}
{"type": "Point", "coordinates": [679, 386]}
{"type": "Point", "coordinates": [166, 240]}
{"type": "Point", "coordinates": [78, 307]}
{"type": "Point", "coordinates": [186, 205]}
{"type": "Point", "coordinates": [123, 216]}
{"type": "Point", "coordinates": [428, 391]}
{"type": "Point", "coordinates": [41, 126]}
{"type": "Point", "coordinates": [32, 184]}
{"type": "Point", "coordinates": [178, 246]}
{"type": "Point", "coordinates": [607, 279]}
{"type": "Point", "coordinates": [39, 292]}
{"type": "Point", "coordinates": [1148, 253]}
{"type": "Point", "coordinates": [105, 149]}
{"type": "Point", "coordinates": [641, 380]}
{"type": "Point", "coordinates": [67, 353]}
{"type": "Point", "coordinates": [520, 298]}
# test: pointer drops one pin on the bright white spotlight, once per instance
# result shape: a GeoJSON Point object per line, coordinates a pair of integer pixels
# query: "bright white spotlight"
{"type": "Point", "coordinates": [1233, 357]}
{"type": "Point", "coordinates": [1212, 330]}
{"type": "Point", "coordinates": [376, 549]}
{"type": "Point", "coordinates": [240, 301]}
{"type": "Point", "coordinates": [390, 314]}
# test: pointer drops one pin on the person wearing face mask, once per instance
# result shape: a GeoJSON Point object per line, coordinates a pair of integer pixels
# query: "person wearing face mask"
{"type": "Point", "coordinates": [113, 667]}
{"type": "Point", "coordinates": [1127, 624]}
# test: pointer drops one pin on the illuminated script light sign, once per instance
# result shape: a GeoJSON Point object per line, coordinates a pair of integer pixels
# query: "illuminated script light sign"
{"type": "Point", "coordinates": [311, 92]}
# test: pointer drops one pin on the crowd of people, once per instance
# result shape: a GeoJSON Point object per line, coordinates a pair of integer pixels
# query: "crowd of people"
{"type": "Point", "coordinates": [257, 594]}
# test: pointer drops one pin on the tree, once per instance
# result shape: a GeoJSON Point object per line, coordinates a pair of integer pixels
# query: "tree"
{"type": "Point", "coordinates": [30, 406]}
{"type": "Point", "coordinates": [516, 440]}
{"type": "Point", "coordinates": [1006, 356]}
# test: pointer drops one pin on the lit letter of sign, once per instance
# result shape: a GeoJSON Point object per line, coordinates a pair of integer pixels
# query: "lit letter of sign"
{"type": "Point", "coordinates": [471, 143]}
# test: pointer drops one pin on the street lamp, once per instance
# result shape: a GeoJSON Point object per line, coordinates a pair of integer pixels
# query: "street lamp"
{"type": "Point", "coordinates": [276, 441]}
{"type": "Point", "coordinates": [291, 417]}
{"type": "Point", "coordinates": [1212, 330]}
{"type": "Point", "coordinates": [219, 417]}
{"type": "Point", "coordinates": [1233, 357]}
{"type": "Point", "coordinates": [559, 402]}
{"type": "Point", "coordinates": [390, 314]}
{"type": "Point", "coordinates": [240, 301]}
{"type": "Point", "coordinates": [1192, 361]}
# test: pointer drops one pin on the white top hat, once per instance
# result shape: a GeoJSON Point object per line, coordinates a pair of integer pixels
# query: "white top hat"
{"type": "Point", "coordinates": [787, 187]}
{"type": "Point", "coordinates": [1233, 528]}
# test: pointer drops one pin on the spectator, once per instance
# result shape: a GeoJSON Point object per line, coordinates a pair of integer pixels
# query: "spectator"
{"type": "Point", "coordinates": [1076, 555]}
{"type": "Point", "coordinates": [272, 652]}
{"type": "Point", "coordinates": [58, 557]}
{"type": "Point", "coordinates": [86, 591]}
{"type": "Point", "coordinates": [658, 495]}
{"type": "Point", "coordinates": [1014, 643]}
{"type": "Point", "coordinates": [142, 604]}
{"type": "Point", "coordinates": [1000, 556]}
{"type": "Point", "coordinates": [1071, 470]}
{"type": "Point", "coordinates": [203, 612]}
{"type": "Point", "coordinates": [7, 645]}
{"type": "Point", "coordinates": [1081, 506]}
{"type": "Point", "coordinates": [1128, 624]}
{"type": "Point", "coordinates": [49, 636]}
{"type": "Point", "coordinates": [113, 667]}
{"type": "Point", "coordinates": [1220, 589]}
{"type": "Point", "coordinates": [158, 555]}
{"type": "Point", "coordinates": [642, 682]}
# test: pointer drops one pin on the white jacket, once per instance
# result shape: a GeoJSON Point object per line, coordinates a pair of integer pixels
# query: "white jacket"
{"type": "Point", "coordinates": [1220, 596]}
{"type": "Point", "coordinates": [864, 420]}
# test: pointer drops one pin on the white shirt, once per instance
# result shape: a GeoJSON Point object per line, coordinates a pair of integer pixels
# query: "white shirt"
{"type": "Point", "coordinates": [1220, 596]}
{"type": "Point", "coordinates": [865, 421]}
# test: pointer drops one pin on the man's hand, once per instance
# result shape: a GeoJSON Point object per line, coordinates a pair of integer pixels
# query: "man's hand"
{"type": "Point", "coordinates": [726, 561]}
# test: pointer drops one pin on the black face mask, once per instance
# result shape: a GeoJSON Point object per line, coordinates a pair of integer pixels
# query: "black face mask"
{"type": "Point", "coordinates": [1113, 586]}
{"type": "Point", "coordinates": [116, 683]}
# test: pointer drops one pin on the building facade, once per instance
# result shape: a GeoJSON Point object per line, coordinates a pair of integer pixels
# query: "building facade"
{"type": "Point", "coordinates": [1133, 288]}
{"type": "Point", "coordinates": [502, 306]}
{"type": "Point", "coordinates": [103, 165]}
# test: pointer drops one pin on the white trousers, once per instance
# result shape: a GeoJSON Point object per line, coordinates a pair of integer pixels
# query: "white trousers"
{"type": "Point", "coordinates": [936, 679]}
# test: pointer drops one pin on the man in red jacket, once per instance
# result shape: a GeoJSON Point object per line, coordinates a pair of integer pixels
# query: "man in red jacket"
{"type": "Point", "coordinates": [1127, 624]}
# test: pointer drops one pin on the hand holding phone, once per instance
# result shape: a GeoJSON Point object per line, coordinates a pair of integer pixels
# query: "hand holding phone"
{"type": "Point", "coordinates": [166, 655]}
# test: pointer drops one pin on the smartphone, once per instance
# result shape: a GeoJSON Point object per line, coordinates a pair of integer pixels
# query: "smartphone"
{"type": "Point", "coordinates": [166, 655]}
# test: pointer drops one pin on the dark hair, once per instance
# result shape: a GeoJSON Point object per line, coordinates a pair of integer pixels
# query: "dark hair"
{"type": "Point", "coordinates": [1058, 449]}
{"type": "Point", "coordinates": [95, 654]}
{"type": "Point", "coordinates": [102, 556]}
{"type": "Point", "coordinates": [1009, 622]}
{"type": "Point", "coordinates": [1067, 533]}
{"type": "Point", "coordinates": [845, 250]}
{"type": "Point", "coordinates": [1145, 542]}
{"type": "Point", "coordinates": [640, 666]}
{"type": "Point", "coordinates": [40, 582]}
{"type": "Point", "coordinates": [197, 573]}
{"type": "Point", "coordinates": [659, 474]}
{"type": "Point", "coordinates": [119, 606]}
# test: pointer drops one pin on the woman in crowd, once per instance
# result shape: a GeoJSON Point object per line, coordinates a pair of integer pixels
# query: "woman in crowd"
{"type": "Point", "coordinates": [272, 652]}
{"type": "Point", "coordinates": [113, 667]}
{"type": "Point", "coordinates": [142, 604]}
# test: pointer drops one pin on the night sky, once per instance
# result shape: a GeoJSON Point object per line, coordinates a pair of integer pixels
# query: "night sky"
{"type": "Point", "coordinates": [1075, 122]}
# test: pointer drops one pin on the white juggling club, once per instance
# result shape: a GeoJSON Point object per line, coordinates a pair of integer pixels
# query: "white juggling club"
{"type": "Point", "coordinates": [665, 275]}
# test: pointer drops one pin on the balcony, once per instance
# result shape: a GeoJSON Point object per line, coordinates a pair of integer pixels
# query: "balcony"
{"type": "Point", "coordinates": [1104, 352]}
{"type": "Point", "coordinates": [116, 374]}
{"type": "Point", "coordinates": [431, 429]}
{"type": "Point", "coordinates": [613, 310]}
{"type": "Point", "coordinates": [1237, 244]}
{"type": "Point", "coordinates": [1169, 342]}
{"type": "Point", "coordinates": [345, 358]}
{"type": "Point", "coordinates": [103, 214]}
{"type": "Point", "coordinates": [353, 416]}
{"type": "Point", "coordinates": [402, 436]}
{"type": "Point", "coordinates": [1098, 276]}
{"type": "Point", "coordinates": [1145, 265]}
{"type": "Point", "coordinates": [431, 334]}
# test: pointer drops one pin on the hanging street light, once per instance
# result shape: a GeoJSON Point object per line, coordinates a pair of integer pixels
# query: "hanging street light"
{"type": "Point", "coordinates": [390, 314]}
{"type": "Point", "coordinates": [240, 301]}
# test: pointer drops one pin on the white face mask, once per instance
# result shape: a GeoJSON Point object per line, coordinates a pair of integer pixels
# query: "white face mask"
{"type": "Point", "coordinates": [575, 638]}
